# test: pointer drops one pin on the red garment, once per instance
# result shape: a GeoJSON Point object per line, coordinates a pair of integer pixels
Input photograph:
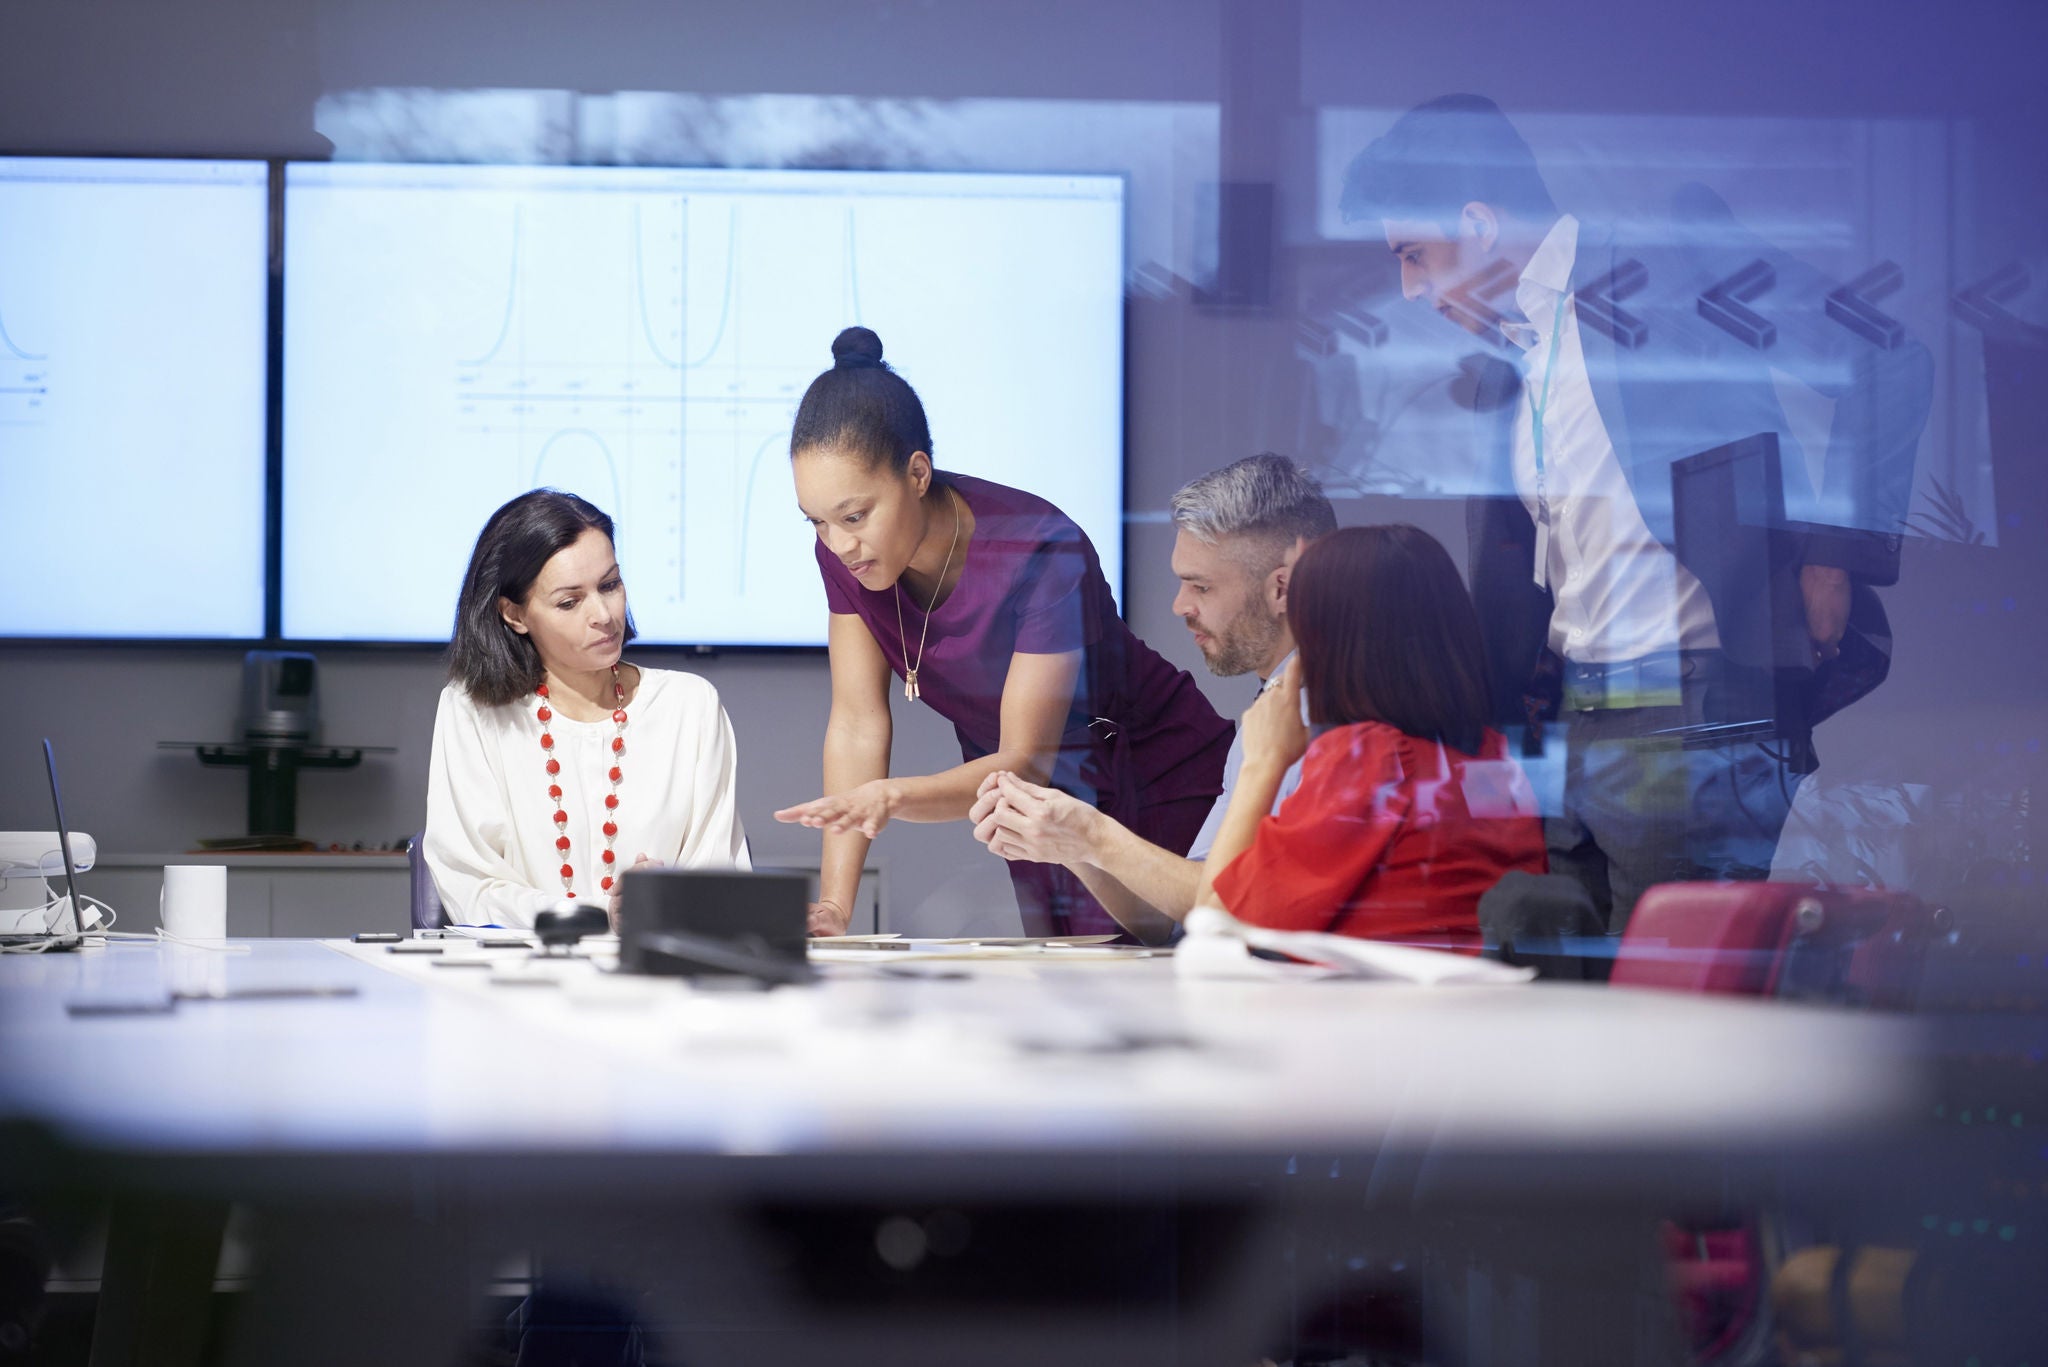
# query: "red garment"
{"type": "Point", "coordinates": [1388, 838]}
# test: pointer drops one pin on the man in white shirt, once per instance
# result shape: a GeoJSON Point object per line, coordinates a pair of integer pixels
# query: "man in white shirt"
{"type": "Point", "coordinates": [1582, 560]}
{"type": "Point", "coordinates": [1239, 530]}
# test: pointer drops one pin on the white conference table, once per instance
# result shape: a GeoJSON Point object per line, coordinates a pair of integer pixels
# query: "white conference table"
{"type": "Point", "coordinates": [746, 1149]}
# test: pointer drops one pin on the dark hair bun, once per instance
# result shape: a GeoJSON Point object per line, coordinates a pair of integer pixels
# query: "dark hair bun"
{"type": "Point", "coordinates": [856, 349]}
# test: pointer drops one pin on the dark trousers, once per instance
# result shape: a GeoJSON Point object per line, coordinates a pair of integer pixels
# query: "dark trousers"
{"type": "Point", "coordinates": [1646, 804]}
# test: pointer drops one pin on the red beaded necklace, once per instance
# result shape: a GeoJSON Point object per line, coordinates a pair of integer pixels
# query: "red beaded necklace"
{"type": "Point", "coordinates": [611, 799]}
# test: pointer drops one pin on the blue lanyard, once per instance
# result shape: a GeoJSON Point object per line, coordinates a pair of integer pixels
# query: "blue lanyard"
{"type": "Point", "coordinates": [1537, 408]}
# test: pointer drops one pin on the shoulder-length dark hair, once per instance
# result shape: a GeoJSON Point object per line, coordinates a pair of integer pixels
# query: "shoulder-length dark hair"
{"type": "Point", "coordinates": [1387, 633]}
{"type": "Point", "coordinates": [493, 663]}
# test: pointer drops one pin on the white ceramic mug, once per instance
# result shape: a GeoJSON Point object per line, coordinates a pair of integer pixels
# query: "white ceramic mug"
{"type": "Point", "coordinates": [194, 903]}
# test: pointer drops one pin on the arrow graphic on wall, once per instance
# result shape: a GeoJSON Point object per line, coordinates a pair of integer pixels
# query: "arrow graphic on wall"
{"type": "Point", "coordinates": [1724, 305]}
{"type": "Point", "coordinates": [1851, 305]}
{"type": "Point", "coordinates": [1316, 337]}
{"type": "Point", "coordinates": [1467, 304]}
{"type": "Point", "coordinates": [1365, 328]}
{"type": "Point", "coordinates": [1980, 305]}
{"type": "Point", "coordinates": [1600, 304]}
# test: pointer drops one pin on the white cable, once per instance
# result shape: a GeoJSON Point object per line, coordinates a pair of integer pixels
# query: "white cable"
{"type": "Point", "coordinates": [111, 915]}
{"type": "Point", "coordinates": [40, 946]}
{"type": "Point", "coordinates": [105, 931]}
{"type": "Point", "coordinates": [216, 946]}
{"type": "Point", "coordinates": [53, 938]}
{"type": "Point", "coordinates": [159, 935]}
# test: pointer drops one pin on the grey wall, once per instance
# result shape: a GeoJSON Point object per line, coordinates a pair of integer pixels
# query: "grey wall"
{"type": "Point", "coordinates": [241, 78]}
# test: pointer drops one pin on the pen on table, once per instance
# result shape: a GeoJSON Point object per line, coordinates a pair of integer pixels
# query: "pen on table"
{"type": "Point", "coordinates": [156, 1006]}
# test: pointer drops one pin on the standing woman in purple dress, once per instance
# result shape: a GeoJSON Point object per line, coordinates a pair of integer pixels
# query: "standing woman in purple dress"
{"type": "Point", "coordinates": [991, 607]}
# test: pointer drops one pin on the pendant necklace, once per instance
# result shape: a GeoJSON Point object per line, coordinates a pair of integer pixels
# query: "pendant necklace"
{"type": "Point", "coordinates": [910, 666]}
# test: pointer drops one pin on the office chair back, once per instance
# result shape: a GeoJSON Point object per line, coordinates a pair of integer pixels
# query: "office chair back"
{"type": "Point", "coordinates": [1851, 946]}
{"type": "Point", "coordinates": [1546, 921]}
{"type": "Point", "coordinates": [427, 912]}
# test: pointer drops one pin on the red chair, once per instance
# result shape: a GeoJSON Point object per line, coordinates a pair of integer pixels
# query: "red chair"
{"type": "Point", "coordinates": [1853, 946]}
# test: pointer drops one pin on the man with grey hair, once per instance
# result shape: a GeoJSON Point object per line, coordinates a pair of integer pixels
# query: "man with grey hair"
{"type": "Point", "coordinates": [1238, 531]}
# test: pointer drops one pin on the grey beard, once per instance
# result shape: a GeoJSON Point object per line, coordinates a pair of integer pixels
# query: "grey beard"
{"type": "Point", "coordinates": [1244, 647]}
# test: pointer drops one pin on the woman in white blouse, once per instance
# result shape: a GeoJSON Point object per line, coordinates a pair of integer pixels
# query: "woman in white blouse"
{"type": "Point", "coordinates": [557, 765]}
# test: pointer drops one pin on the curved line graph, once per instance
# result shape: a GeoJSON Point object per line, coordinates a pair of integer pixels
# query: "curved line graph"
{"type": "Point", "coordinates": [732, 270]}
{"type": "Point", "coordinates": [732, 239]}
{"type": "Point", "coordinates": [640, 289]}
{"type": "Point", "coordinates": [747, 504]}
{"type": "Point", "coordinates": [511, 294]}
{"type": "Point", "coordinates": [19, 354]}
{"type": "Point", "coordinates": [611, 465]}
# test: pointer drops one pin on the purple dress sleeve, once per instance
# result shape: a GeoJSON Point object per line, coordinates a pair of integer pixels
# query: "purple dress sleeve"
{"type": "Point", "coordinates": [1052, 616]}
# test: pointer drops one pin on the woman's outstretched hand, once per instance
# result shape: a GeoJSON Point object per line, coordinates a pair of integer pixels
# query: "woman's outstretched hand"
{"type": "Point", "coordinates": [866, 809]}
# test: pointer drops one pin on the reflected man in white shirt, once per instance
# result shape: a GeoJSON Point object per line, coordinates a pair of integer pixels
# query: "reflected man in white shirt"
{"type": "Point", "coordinates": [1673, 770]}
{"type": "Point", "coordinates": [1238, 531]}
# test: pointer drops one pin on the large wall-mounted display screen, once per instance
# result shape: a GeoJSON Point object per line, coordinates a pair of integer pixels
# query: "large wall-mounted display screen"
{"type": "Point", "coordinates": [134, 300]}
{"type": "Point", "coordinates": [455, 335]}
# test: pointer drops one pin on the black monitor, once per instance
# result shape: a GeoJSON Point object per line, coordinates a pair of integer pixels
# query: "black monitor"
{"type": "Point", "coordinates": [1728, 511]}
{"type": "Point", "coordinates": [641, 336]}
{"type": "Point", "coordinates": [134, 338]}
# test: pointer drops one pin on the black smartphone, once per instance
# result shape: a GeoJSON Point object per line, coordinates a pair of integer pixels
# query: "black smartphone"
{"type": "Point", "coordinates": [122, 1006]}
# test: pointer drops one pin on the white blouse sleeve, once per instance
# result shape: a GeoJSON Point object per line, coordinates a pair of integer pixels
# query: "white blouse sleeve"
{"type": "Point", "coordinates": [714, 838]}
{"type": "Point", "coordinates": [468, 838]}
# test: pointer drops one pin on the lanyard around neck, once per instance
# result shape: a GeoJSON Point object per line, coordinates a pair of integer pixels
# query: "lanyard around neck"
{"type": "Point", "coordinates": [1537, 408]}
{"type": "Point", "coordinates": [1540, 406]}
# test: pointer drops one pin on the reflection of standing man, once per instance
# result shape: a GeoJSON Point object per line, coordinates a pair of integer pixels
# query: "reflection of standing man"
{"type": "Point", "coordinates": [1582, 559]}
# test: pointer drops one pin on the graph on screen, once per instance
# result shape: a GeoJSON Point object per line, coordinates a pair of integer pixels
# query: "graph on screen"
{"type": "Point", "coordinates": [134, 302]}
{"type": "Point", "coordinates": [457, 335]}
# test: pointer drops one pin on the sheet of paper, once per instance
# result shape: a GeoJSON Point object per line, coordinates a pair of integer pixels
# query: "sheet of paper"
{"type": "Point", "coordinates": [1218, 945]}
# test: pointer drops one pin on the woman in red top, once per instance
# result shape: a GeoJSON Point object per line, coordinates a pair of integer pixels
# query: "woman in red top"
{"type": "Point", "coordinates": [1409, 808]}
